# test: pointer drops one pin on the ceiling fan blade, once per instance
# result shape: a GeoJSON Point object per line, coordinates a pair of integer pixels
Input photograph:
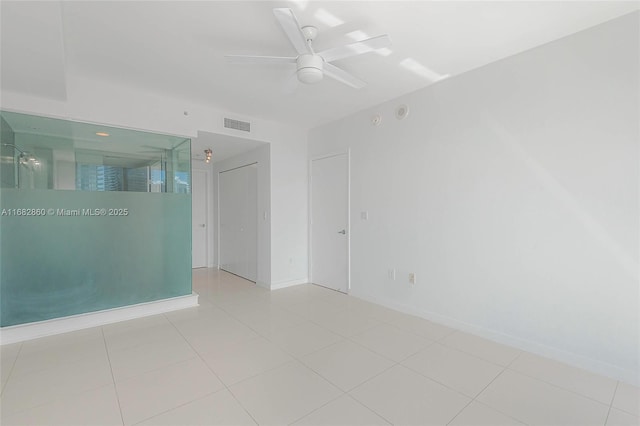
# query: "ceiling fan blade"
{"type": "Point", "coordinates": [247, 59]}
{"type": "Point", "coordinates": [356, 48]}
{"type": "Point", "coordinates": [291, 27]}
{"type": "Point", "coordinates": [343, 76]}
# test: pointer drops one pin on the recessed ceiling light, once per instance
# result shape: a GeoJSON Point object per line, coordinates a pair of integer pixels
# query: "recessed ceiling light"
{"type": "Point", "coordinates": [102, 134]}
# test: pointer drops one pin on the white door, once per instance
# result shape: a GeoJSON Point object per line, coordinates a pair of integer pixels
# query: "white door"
{"type": "Point", "coordinates": [199, 199]}
{"type": "Point", "coordinates": [330, 222]}
{"type": "Point", "coordinates": [238, 198]}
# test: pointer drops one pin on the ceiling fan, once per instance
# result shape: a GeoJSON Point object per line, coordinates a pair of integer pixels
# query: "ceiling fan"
{"type": "Point", "coordinates": [311, 66]}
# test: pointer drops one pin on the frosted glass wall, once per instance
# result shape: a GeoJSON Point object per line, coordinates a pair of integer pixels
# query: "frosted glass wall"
{"type": "Point", "coordinates": [90, 222]}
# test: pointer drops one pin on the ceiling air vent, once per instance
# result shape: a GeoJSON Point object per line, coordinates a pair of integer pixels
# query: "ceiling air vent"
{"type": "Point", "coordinates": [245, 126]}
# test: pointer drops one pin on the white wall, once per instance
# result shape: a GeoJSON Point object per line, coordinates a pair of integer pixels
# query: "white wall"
{"type": "Point", "coordinates": [512, 192]}
{"type": "Point", "coordinates": [289, 212]}
{"type": "Point", "coordinates": [105, 102]}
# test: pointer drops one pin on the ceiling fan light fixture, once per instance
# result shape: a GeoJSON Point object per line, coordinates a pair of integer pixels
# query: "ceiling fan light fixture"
{"type": "Point", "coordinates": [309, 68]}
{"type": "Point", "coordinates": [309, 75]}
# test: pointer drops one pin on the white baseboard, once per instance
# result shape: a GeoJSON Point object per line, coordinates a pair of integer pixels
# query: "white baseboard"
{"type": "Point", "coordinates": [284, 284]}
{"type": "Point", "coordinates": [579, 361]}
{"type": "Point", "coordinates": [33, 330]}
{"type": "Point", "coordinates": [263, 285]}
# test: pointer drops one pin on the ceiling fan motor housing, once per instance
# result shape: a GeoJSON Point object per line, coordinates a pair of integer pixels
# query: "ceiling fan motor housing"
{"type": "Point", "coordinates": [309, 68]}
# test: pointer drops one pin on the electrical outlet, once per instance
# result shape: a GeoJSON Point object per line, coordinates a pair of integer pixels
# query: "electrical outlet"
{"type": "Point", "coordinates": [412, 278]}
{"type": "Point", "coordinates": [392, 274]}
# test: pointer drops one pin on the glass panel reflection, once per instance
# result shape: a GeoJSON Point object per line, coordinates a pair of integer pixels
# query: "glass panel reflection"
{"type": "Point", "coordinates": [47, 153]}
{"type": "Point", "coordinates": [90, 222]}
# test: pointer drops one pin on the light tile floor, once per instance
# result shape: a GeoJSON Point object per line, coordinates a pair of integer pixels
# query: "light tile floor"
{"type": "Point", "coordinates": [302, 355]}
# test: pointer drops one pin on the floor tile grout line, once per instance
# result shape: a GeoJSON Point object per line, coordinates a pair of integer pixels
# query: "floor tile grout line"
{"type": "Point", "coordinates": [517, 357]}
{"type": "Point", "coordinates": [139, 344]}
{"type": "Point", "coordinates": [467, 353]}
{"type": "Point", "coordinates": [460, 412]}
{"type": "Point", "coordinates": [170, 364]}
{"type": "Point", "coordinates": [386, 356]}
{"type": "Point", "coordinates": [215, 374]}
{"type": "Point", "coordinates": [178, 406]}
{"type": "Point", "coordinates": [59, 398]}
{"type": "Point", "coordinates": [440, 342]}
{"type": "Point", "coordinates": [503, 367]}
{"type": "Point", "coordinates": [374, 412]}
{"type": "Point", "coordinates": [366, 381]}
{"type": "Point", "coordinates": [13, 364]}
{"type": "Point", "coordinates": [508, 366]}
{"type": "Point", "coordinates": [558, 386]}
{"type": "Point", "coordinates": [431, 340]}
{"type": "Point", "coordinates": [327, 381]}
{"type": "Point", "coordinates": [113, 378]}
{"type": "Point", "coordinates": [498, 410]}
{"type": "Point", "coordinates": [534, 378]}
{"type": "Point", "coordinates": [324, 405]}
{"type": "Point", "coordinates": [476, 400]}
{"type": "Point", "coordinates": [438, 382]}
{"type": "Point", "coordinates": [299, 359]}
{"type": "Point", "coordinates": [336, 385]}
{"type": "Point", "coordinates": [371, 378]}
{"type": "Point", "coordinates": [613, 397]}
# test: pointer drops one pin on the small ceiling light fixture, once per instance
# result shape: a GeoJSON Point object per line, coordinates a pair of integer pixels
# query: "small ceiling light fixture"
{"type": "Point", "coordinates": [104, 134]}
{"type": "Point", "coordinates": [207, 155]}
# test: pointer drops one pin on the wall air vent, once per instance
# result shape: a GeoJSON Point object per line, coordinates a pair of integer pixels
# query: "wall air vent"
{"type": "Point", "coordinates": [245, 126]}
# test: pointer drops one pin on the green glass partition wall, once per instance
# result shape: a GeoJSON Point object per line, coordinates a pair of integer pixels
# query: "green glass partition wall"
{"type": "Point", "coordinates": [91, 218]}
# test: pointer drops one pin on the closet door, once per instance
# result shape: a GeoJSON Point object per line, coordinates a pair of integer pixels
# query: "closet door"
{"type": "Point", "coordinates": [238, 221]}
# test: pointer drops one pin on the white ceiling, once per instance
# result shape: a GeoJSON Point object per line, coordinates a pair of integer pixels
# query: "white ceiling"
{"type": "Point", "coordinates": [177, 47]}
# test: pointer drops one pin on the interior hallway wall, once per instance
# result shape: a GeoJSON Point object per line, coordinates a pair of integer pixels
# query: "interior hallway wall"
{"type": "Point", "coordinates": [512, 192]}
{"type": "Point", "coordinates": [96, 100]}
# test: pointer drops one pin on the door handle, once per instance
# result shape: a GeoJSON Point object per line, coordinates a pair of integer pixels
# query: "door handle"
{"type": "Point", "coordinates": [343, 232]}
{"type": "Point", "coordinates": [202, 225]}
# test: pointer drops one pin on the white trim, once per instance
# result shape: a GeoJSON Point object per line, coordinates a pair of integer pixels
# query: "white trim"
{"type": "Point", "coordinates": [348, 220]}
{"type": "Point", "coordinates": [69, 117]}
{"type": "Point", "coordinates": [346, 152]}
{"type": "Point", "coordinates": [263, 284]}
{"type": "Point", "coordinates": [579, 361]}
{"type": "Point", "coordinates": [207, 223]}
{"type": "Point", "coordinates": [258, 216]}
{"type": "Point", "coordinates": [291, 283]}
{"type": "Point", "coordinates": [33, 330]}
{"type": "Point", "coordinates": [236, 168]}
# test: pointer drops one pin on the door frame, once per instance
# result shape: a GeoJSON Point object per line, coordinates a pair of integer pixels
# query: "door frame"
{"type": "Point", "coordinates": [207, 208]}
{"type": "Point", "coordinates": [346, 152]}
{"type": "Point", "coordinates": [219, 244]}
